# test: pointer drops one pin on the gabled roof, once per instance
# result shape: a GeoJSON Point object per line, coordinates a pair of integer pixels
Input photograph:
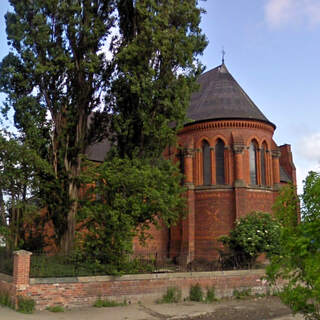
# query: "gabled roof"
{"type": "Point", "coordinates": [221, 97]}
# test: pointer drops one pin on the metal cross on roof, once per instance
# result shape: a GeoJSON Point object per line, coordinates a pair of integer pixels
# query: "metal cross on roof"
{"type": "Point", "coordinates": [223, 55]}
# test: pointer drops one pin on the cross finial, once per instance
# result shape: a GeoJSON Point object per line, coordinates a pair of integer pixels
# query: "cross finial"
{"type": "Point", "coordinates": [223, 55]}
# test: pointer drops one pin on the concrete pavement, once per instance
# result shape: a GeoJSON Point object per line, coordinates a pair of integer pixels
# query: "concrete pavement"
{"type": "Point", "coordinates": [185, 310]}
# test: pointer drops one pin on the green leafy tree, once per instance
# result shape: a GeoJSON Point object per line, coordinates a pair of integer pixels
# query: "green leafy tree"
{"type": "Point", "coordinates": [155, 72]}
{"type": "Point", "coordinates": [254, 234]}
{"type": "Point", "coordinates": [53, 79]}
{"type": "Point", "coordinates": [18, 182]}
{"type": "Point", "coordinates": [57, 75]}
{"type": "Point", "coordinates": [129, 197]}
{"type": "Point", "coordinates": [296, 269]}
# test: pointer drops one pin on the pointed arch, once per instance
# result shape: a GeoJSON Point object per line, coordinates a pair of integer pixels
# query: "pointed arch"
{"type": "Point", "coordinates": [220, 161]}
{"type": "Point", "coordinates": [253, 149]}
{"type": "Point", "coordinates": [206, 163]}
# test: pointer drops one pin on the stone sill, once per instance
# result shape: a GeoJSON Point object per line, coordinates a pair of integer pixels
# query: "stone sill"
{"type": "Point", "coordinates": [156, 276]}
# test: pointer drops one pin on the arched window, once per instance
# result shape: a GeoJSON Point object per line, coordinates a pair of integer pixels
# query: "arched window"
{"type": "Point", "coordinates": [181, 163]}
{"type": "Point", "coordinates": [253, 163]}
{"type": "Point", "coordinates": [263, 164]}
{"type": "Point", "coordinates": [206, 163]}
{"type": "Point", "coordinates": [220, 177]}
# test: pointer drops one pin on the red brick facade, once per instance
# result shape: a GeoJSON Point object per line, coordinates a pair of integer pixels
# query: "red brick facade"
{"type": "Point", "coordinates": [214, 208]}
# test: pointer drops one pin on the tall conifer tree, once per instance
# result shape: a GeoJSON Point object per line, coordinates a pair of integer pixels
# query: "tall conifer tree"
{"type": "Point", "coordinates": [57, 74]}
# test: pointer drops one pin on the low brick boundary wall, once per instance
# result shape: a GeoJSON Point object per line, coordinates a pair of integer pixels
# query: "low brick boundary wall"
{"type": "Point", "coordinates": [84, 291]}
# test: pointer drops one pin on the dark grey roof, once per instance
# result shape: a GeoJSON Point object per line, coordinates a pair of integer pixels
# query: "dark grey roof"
{"type": "Point", "coordinates": [284, 177]}
{"type": "Point", "coordinates": [98, 151]}
{"type": "Point", "coordinates": [221, 97]}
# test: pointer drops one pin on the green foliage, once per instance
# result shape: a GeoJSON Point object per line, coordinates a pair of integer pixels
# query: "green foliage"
{"type": "Point", "coordinates": [109, 303]}
{"type": "Point", "coordinates": [18, 182]}
{"type": "Point", "coordinates": [298, 262]}
{"type": "Point", "coordinates": [5, 300]}
{"type": "Point", "coordinates": [25, 305]}
{"type": "Point", "coordinates": [130, 196]}
{"type": "Point", "coordinates": [55, 309]}
{"type": "Point", "coordinates": [156, 69]}
{"type": "Point", "coordinates": [241, 294]}
{"type": "Point", "coordinates": [211, 295]}
{"type": "Point", "coordinates": [196, 293]}
{"type": "Point", "coordinates": [253, 234]}
{"type": "Point", "coordinates": [63, 89]}
{"type": "Point", "coordinates": [172, 295]}
{"type": "Point", "coordinates": [286, 206]}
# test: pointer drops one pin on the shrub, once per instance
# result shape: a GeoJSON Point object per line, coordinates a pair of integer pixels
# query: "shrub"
{"type": "Point", "coordinates": [55, 309]}
{"type": "Point", "coordinates": [240, 294]}
{"type": "Point", "coordinates": [253, 234]}
{"type": "Point", "coordinates": [25, 305]}
{"type": "Point", "coordinates": [173, 295]}
{"type": "Point", "coordinates": [5, 300]}
{"type": "Point", "coordinates": [196, 293]}
{"type": "Point", "coordinates": [211, 295]}
{"type": "Point", "coordinates": [109, 303]}
{"type": "Point", "coordinates": [298, 263]}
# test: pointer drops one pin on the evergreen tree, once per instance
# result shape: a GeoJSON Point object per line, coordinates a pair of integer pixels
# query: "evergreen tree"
{"type": "Point", "coordinates": [56, 71]}
{"type": "Point", "coordinates": [57, 75]}
{"type": "Point", "coordinates": [155, 72]}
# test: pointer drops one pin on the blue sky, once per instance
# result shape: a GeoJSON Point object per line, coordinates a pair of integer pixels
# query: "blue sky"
{"type": "Point", "coordinates": [273, 51]}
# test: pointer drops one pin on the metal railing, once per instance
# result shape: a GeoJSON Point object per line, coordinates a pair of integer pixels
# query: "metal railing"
{"type": "Point", "coordinates": [6, 261]}
{"type": "Point", "coordinates": [48, 265]}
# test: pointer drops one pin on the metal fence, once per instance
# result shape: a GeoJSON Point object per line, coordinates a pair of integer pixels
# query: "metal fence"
{"type": "Point", "coordinates": [6, 262]}
{"type": "Point", "coordinates": [48, 265]}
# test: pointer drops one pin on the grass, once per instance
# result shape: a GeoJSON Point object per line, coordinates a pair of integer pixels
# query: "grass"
{"type": "Point", "coordinates": [109, 303]}
{"type": "Point", "coordinates": [211, 295]}
{"type": "Point", "coordinates": [55, 309]}
{"type": "Point", "coordinates": [196, 293]}
{"type": "Point", "coordinates": [26, 305]}
{"type": "Point", "coordinates": [240, 294]}
{"type": "Point", "coordinates": [172, 295]}
{"type": "Point", "coordinates": [5, 300]}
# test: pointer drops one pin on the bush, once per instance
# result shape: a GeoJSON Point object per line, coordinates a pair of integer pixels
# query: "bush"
{"type": "Point", "coordinates": [55, 309]}
{"type": "Point", "coordinates": [5, 300]}
{"type": "Point", "coordinates": [109, 303]}
{"type": "Point", "coordinates": [298, 262]}
{"type": "Point", "coordinates": [211, 295]}
{"type": "Point", "coordinates": [253, 235]}
{"type": "Point", "coordinates": [173, 295]}
{"type": "Point", "coordinates": [240, 294]}
{"type": "Point", "coordinates": [25, 305]}
{"type": "Point", "coordinates": [196, 293]}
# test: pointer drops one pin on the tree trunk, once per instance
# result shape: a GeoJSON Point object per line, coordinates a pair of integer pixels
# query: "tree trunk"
{"type": "Point", "coordinates": [2, 210]}
{"type": "Point", "coordinates": [67, 240]}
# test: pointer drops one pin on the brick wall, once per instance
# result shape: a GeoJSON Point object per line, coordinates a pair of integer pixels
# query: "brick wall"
{"type": "Point", "coordinates": [84, 291]}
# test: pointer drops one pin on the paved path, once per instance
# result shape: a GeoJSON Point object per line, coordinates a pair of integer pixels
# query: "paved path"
{"type": "Point", "coordinates": [187, 310]}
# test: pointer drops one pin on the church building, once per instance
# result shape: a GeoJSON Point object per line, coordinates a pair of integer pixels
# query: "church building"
{"type": "Point", "coordinates": [232, 167]}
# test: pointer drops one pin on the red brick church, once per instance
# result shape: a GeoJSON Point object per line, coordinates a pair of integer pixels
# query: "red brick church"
{"type": "Point", "coordinates": [231, 163]}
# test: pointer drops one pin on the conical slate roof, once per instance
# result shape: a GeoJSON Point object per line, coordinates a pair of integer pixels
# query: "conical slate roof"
{"type": "Point", "coordinates": [221, 97]}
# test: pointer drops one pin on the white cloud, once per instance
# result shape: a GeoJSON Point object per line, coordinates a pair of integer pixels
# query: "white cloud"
{"type": "Point", "coordinates": [307, 157]}
{"type": "Point", "coordinates": [309, 147]}
{"type": "Point", "coordinates": [289, 12]}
